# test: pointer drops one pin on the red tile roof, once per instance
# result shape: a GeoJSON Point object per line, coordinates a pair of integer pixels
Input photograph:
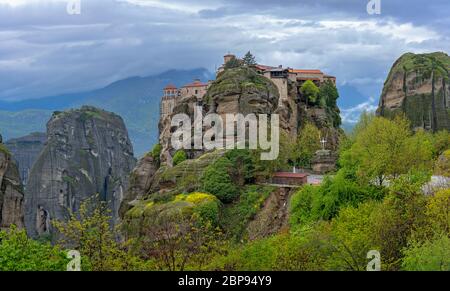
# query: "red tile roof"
{"type": "Point", "coordinates": [264, 67]}
{"type": "Point", "coordinates": [196, 84]}
{"type": "Point", "coordinates": [306, 71]}
{"type": "Point", "coordinates": [290, 175]}
{"type": "Point", "coordinates": [170, 86]}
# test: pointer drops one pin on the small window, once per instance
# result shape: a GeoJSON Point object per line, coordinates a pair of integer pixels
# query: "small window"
{"type": "Point", "coordinates": [196, 91]}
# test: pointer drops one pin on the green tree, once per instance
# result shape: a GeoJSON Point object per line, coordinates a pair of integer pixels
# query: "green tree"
{"type": "Point", "coordinates": [180, 241]}
{"type": "Point", "coordinates": [233, 63]}
{"type": "Point", "coordinates": [308, 142]}
{"type": "Point", "coordinates": [243, 166]}
{"type": "Point", "coordinates": [249, 59]}
{"type": "Point", "coordinates": [180, 156]}
{"type": "Point", "coordinates": [156, 152]}
{"type": "Point", "coordinates": [89, 232]}
{"type": "Point", "coordinates": [328, 96]}
{"type": "Point", "coordinates": [384, 148]}
{"type": "Point", "coordinates": [441, 142]}
{"type": "Point", "coordinates": [352, 237]}
{"type": "Point", "coordinates": [310, 91]}
{"type": "Point", "coordinates": [216, 180]}
{"type": "Point", "coordinates": [442, 166]}
{"type": "Point", "coordinates": [20, 253]}
{"type": "Point", "coordinates": [431, 255]}
{"type": "Point", "coordinates": [402, 212]}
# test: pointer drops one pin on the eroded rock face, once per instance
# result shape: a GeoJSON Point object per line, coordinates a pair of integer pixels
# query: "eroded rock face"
{"type": "Point", "coordinates": [140, 181]}
{"type": "Point", "coordinates": [242, 90]}
{"type": "Point", "coordinates": [238, 90]}
{"type": "Point", "coordinates": [88, 152]}
{"type": "Point", "coordinates": [418, 85]}
{"type": "Point", "coordinates": [11, 191]}
{"type": "Point", "coordinates": [25, 151]}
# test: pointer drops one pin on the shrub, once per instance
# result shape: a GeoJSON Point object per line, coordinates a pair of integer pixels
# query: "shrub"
{"type": "Point", "coordinates": [180, 156]}
{"type": "Point", "coordinates": [20, 253]}
{"type": "Point", "coordinates": [432, 255]}
{"type": "Point", "coordinates": [216, 180]}
{"type": "Point", "coordinates": [313, 203]}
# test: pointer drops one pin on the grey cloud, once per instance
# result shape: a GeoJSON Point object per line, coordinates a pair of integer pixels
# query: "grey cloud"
{"type": "Point", "coordinates": [44, 51]}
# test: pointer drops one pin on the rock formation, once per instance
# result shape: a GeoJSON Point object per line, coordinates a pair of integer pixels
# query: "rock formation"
{"type": "Point", "coordinates": [418, 85]}
{"type": "Point", "coordinates": [239, 90]}
{"type": "Point", "coordinates": [236, 90]}
{"type": "Point", "coordinates": [25, 151]}
{"type": "Point", "coordinates": [11, 191]}
{"type": "Point", "coordinates": [87, 152]}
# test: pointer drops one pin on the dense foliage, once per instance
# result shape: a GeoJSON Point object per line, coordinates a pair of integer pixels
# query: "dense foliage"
{"type": "Point", "coordinates": [20, 253]}
{"type": "Point", "coordinates": [180, 156]}
{"type": "Point", "coordinates": [310, 91]}
{"type": "Point", "coordinates": [375, 201]}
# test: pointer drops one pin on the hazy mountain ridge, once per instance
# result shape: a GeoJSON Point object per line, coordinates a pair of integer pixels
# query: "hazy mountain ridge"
{"type": "Point", "coordinates": [136, 99]}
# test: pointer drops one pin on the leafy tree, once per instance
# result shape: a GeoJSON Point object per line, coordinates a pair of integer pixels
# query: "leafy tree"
{"type": "Point", "coordinates": [310, 91]}
{"type": "Point", "coordinates": [383, 150]}
{"type": "Point", "coordinates": [328, 96]}
{"type": "Point", "coordinates": [90, 233]}
{"type": "Point", "coordinates": [431, 255]}
{"type": "Point", "coordinates": [324, 202]}
{"type": "Point", "coordinates": [249, 59]}
{"type": "Point", "coordinates": [20, 253]}
{"type": "Point", "coordinates": [179, 241]}
{"type": "Point", "coordinates": [156, 152]}
{"type": "Point", "coordinates": [352, 237]}
{"type": "Point", "coordinates": [441, 142]}
{"type": "Point", "coordinates": [402, 212]}
{"type": "Point", "coordinates": [180, 156]}
{"type": "Point", "coordinates": [438, 212]}
{"type": "Point", "coordinates": [308, 142]}
{"type": "Point", "coordinates": [216, 180]}
{"type": "Point", "coordinates": [243, 166]}
{"type": "Point", "coordinates": [443, 164]}
{"type": "Point", "coordinates": [233, 63]}
{"type": "Point", "coordinates": [329, 93]}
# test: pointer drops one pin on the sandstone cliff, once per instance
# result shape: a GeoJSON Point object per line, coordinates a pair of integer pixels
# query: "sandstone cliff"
{"type": "Point", "coordinates": [87, 152]}
{"type": "Point", "coordinates": [236, 90]}
{"type": "Point", "coordinates": [418, 85]}
{"type": "Point", "coordinates": [11, 191]}
{"type": "Point", "coordinates": [25, 151]}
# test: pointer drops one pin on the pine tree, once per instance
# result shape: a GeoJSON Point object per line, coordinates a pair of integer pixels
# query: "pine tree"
{"type": "Point", "coordinates": [249, 59]}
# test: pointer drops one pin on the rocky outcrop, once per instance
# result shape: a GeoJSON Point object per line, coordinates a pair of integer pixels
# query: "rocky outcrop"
{"type": "Point", "coordinates": [11, 191]}
{"type": "Point", "coordinates": [273, 217]}
{"type": "Point", "coordinates": [87, 152]}
{"type": "Point", "coordinates": [25, 151]}
{"type": "Point", "coordinates": [418, 85]}
{"type": "Point", "coordinates": [242, 90]}
{"type": "Point", "coordinates": [238, 90]}
{"type": "Point", "coordinates": [148, 181]}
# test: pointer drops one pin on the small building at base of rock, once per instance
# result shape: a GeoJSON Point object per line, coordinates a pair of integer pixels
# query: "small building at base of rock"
{"type": "Point", "coordinates": [287, 178]}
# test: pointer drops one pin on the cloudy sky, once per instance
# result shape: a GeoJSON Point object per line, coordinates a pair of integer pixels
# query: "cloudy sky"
{"type": "Point", "coordinates": [45, 51]}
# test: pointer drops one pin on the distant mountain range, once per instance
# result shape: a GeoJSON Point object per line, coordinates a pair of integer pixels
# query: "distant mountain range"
{"type": "Point", "coordinates": [136, 99]}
